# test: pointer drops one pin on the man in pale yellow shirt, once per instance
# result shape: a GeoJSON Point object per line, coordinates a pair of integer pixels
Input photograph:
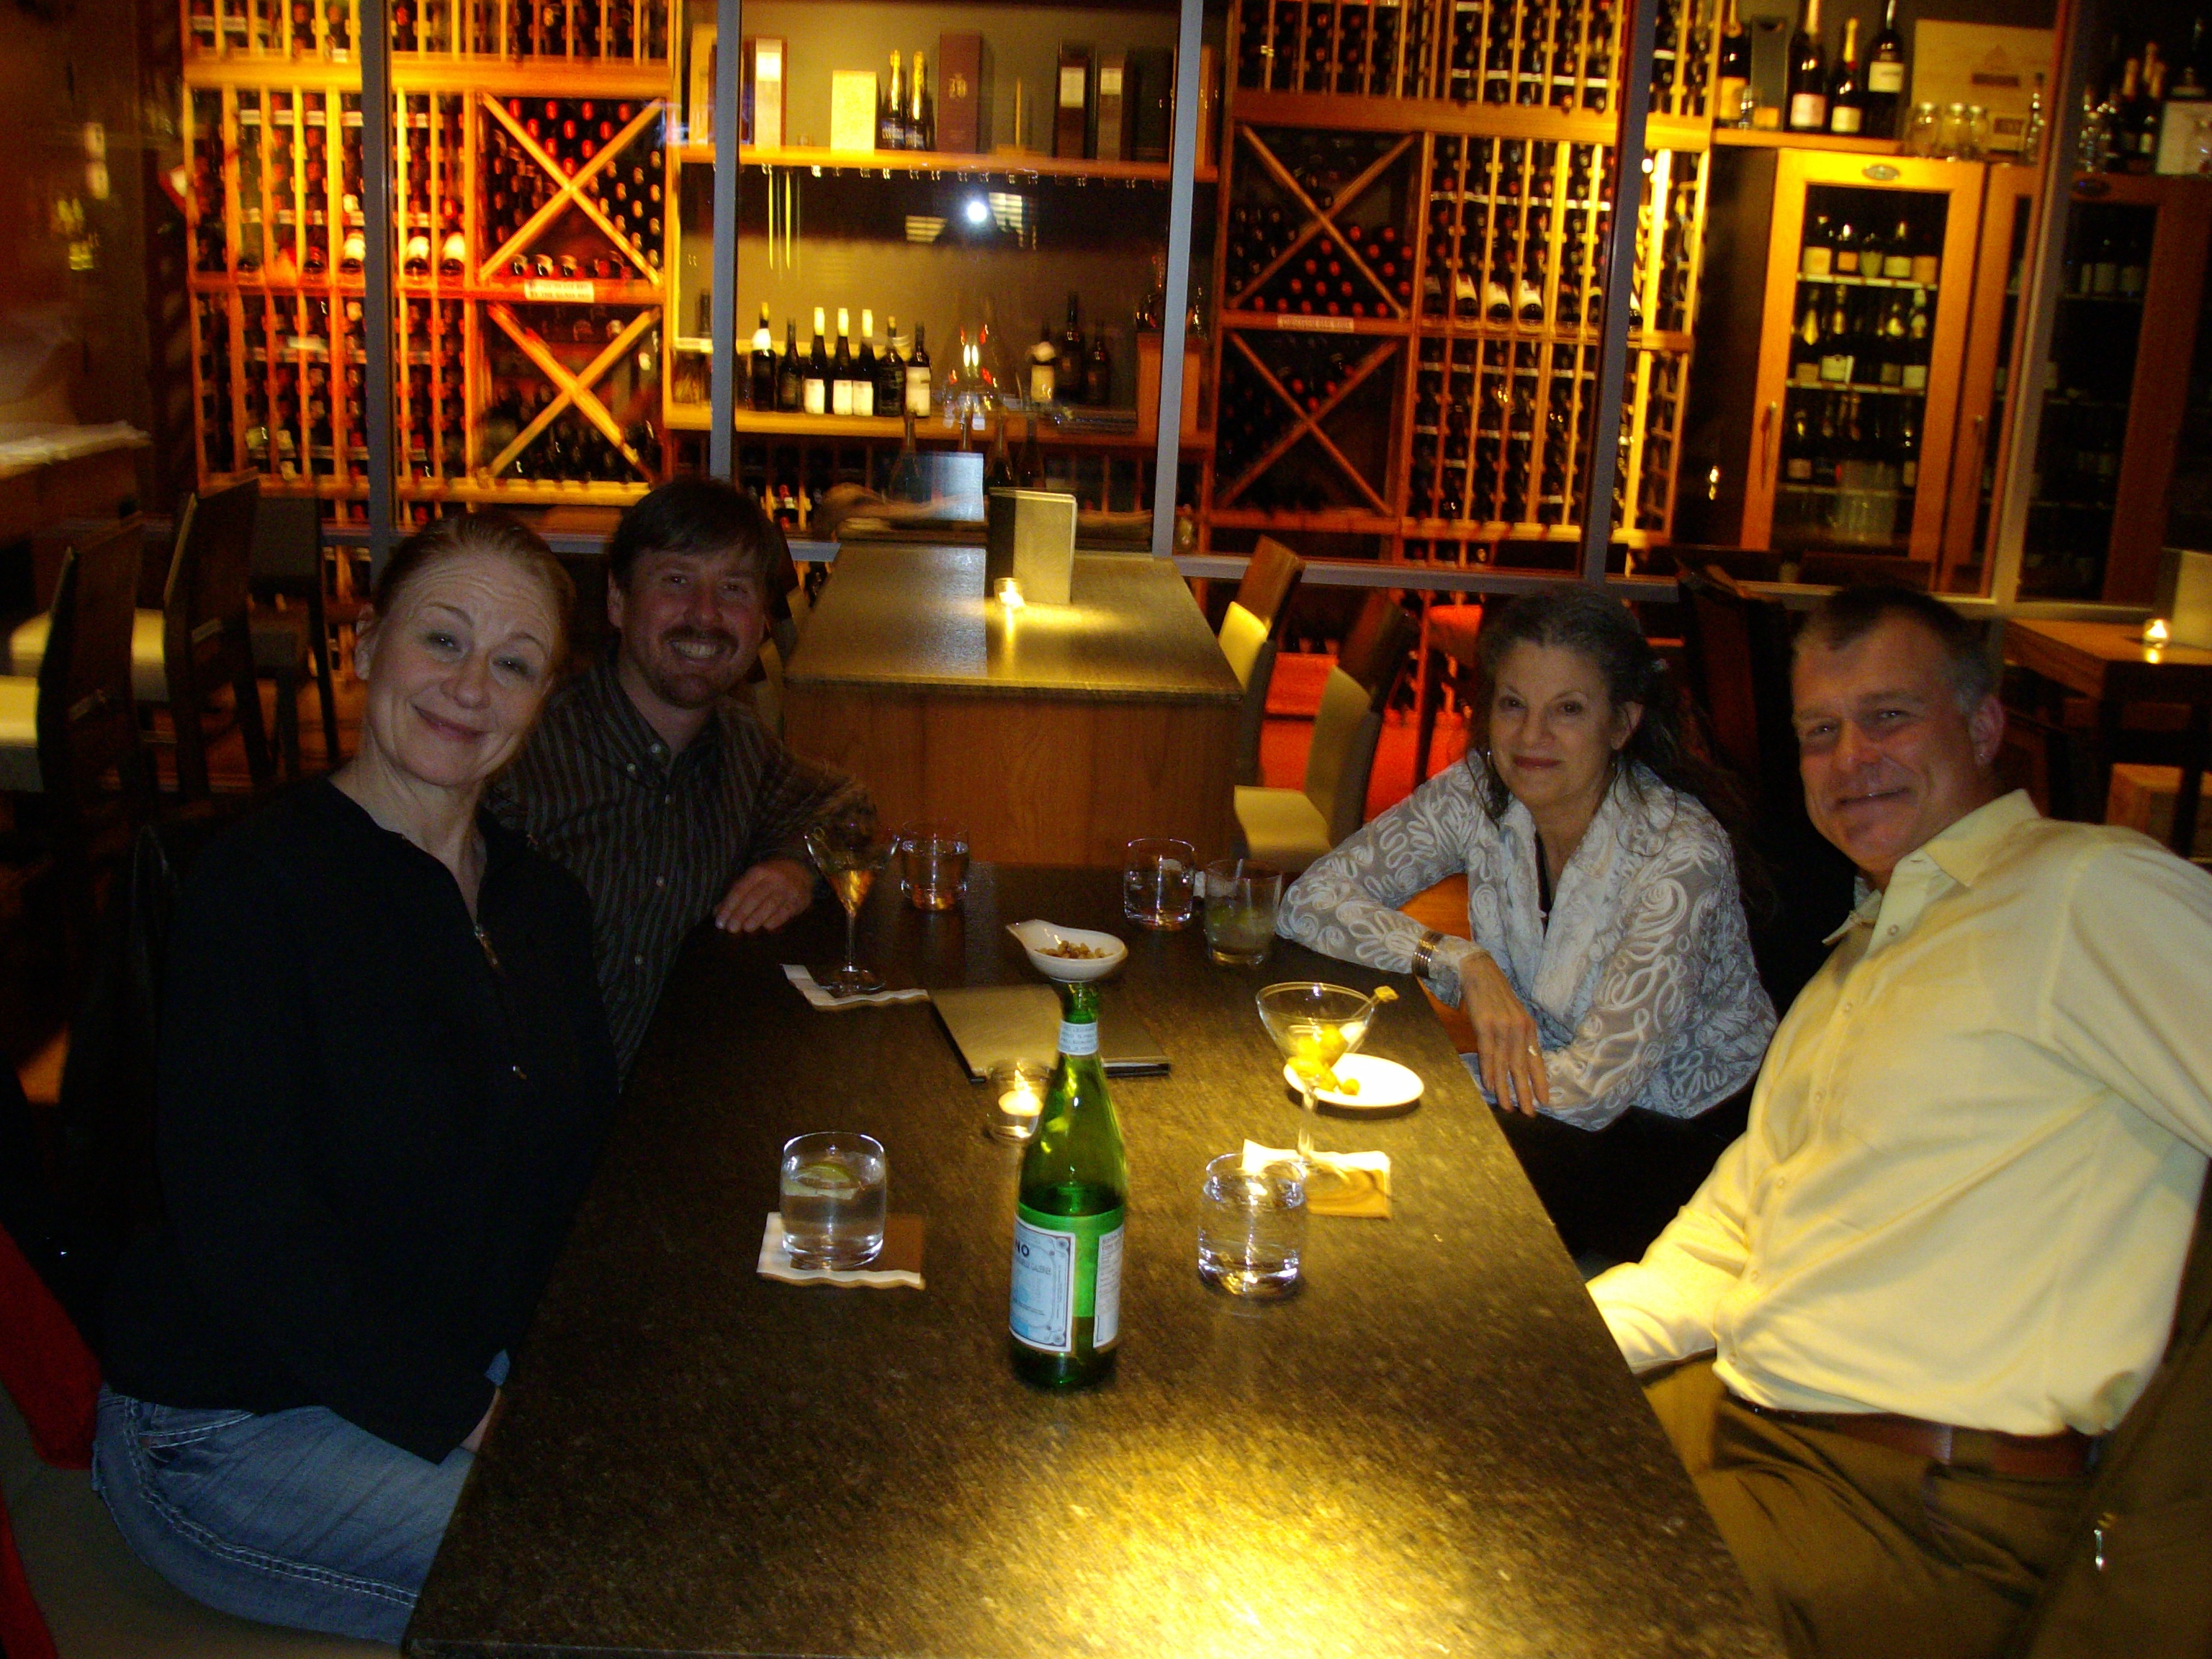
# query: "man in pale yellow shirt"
{"type": "Point", "coordinates": [1943, 1258]}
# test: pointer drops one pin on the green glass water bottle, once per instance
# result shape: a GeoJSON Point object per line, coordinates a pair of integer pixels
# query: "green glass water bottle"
{"type": "Point", "coordinates": [1067, 1315]}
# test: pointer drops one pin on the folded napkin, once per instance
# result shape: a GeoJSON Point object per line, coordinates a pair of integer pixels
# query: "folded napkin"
{"type": "Point", "coordinates": [1360, 1186]}
{"type": "Point", "coordinates": [899, 1262]}
{"type": "Point", "coordinates": [821, 999]}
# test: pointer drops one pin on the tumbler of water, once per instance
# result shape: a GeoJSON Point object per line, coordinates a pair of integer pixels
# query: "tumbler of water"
{"type": "Point", "coordinates": [1251, 1226]}
{"type": "Point", "coordinates": [835, 1188]}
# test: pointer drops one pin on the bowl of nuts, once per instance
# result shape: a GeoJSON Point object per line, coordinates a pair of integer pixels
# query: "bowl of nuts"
{"type": "Point", "coordinates": [1070, 955]}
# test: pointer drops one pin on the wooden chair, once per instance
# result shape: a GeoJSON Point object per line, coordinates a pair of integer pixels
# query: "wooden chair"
{"type": "Point", "coordinates": [1251, 635]}
{"type": "Point", "coordinates": [1292, 827]}
{"type": "Point", "coordinates": [201, 637]}
{"type": "Point", "coordinates": [1451, 655]}
{"type": "Point", "coordinates": [287, 564]}
{"type": "Point", "coordinates": [65, 727]}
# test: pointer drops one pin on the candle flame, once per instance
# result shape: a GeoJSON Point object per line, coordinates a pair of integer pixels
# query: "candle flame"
{"type": "Point", "coordinates": [2155, 634]}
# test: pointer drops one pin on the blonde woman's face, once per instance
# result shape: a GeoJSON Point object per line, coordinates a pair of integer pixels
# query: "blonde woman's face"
{"type": "Point", "coordinates": [457, 673]}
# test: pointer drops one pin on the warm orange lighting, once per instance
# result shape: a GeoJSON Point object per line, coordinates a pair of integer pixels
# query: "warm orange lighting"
{"type": "Point", "coordinates": [1010, 593]}
{"type": "Point", "coordinates": [2154, 633]}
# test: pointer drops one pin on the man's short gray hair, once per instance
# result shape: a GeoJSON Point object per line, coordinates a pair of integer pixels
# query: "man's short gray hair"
{"type": "Point", "coordinates": [1850, 614]}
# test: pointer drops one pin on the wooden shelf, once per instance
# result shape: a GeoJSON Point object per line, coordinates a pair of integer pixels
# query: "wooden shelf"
{"type": "Point", "coordinates": [1440, 115]}
{"type": "Point", "coordinates": [876, 430]}
{"type": "Point", "coordinates": [916, 161]}
{"type": "Point", "coordinates": [1477, 328]}
{"type": "Point", "coordinates": [1272, 322]}
{"type": "Point", "coordinates": [1337, 520]}
{"type": "Point", "coordinates": [1753, 138]}
{"type": "Point", "coordinates": [538, 77]}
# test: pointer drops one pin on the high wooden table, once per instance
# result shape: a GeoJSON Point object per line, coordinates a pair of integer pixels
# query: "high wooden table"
{"type": "Point", "coordinates": [2108, 663]}
{"type": "Point", "coordinates": [1432, 1448]}
{"type": "Point", "coordinates": [1055, 735]}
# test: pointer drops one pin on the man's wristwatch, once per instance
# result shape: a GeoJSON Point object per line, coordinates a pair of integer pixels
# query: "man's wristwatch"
{"type": "Point", "coordinates": [1425, 953]}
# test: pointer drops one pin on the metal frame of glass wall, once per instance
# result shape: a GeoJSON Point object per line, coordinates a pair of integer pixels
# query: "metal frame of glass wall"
{"type": "Point", "coordinates": [2076, 22]}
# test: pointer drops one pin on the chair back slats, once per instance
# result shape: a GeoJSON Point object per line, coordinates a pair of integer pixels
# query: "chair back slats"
{"type": "Point", "coordinates": [214, 566]}
{"type": "Point", "coordinates": [87, 721]}
{"type": "Point", "coordinates": [287, 543]}
{"type": "Point", "coordinates": [1269, 581]}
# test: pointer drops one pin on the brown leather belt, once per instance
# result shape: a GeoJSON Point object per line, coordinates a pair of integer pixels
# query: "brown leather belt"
{"type": "Point", "coordinates": [2065, 1455]}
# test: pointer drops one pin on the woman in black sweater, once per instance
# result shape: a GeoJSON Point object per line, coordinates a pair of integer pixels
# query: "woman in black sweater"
{"type": "Point", "coordinates": [384, 1073]}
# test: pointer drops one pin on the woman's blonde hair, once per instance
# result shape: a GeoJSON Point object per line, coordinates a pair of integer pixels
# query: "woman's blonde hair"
{"type": "Point", "coordinates": [451, 537]}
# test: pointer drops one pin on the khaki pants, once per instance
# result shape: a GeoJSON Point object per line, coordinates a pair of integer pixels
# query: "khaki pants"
{"type": "Point", "coordinates": [1858, 1552]}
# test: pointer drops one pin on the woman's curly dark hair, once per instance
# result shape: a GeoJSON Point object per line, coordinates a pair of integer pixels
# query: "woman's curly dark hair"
{"type": "Point", "coordinates": [1598, 627]}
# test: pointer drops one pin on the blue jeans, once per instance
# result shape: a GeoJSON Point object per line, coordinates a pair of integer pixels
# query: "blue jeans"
{"type": "Point", "coordinates": [295, 1517]}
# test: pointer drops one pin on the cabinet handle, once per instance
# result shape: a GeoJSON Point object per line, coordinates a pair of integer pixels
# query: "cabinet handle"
{"type": "Point", "coordinates": [1767, 436]}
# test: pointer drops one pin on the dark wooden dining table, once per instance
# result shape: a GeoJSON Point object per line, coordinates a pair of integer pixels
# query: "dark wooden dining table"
{"type": "Point", "coordinates": [1433, 1448]}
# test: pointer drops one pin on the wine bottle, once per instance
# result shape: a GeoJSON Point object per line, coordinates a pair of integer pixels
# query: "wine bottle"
{"type": "Point", "coordinates": [999, 474]}
{"type": "Point", "coordinates": [1735, 67]}
{"type": "Point", "coordinates": [891, 112]}
{"type": "Point", "coordinates": [841, 367]}
{"type": "Point", "coordinates": [815, 377]}
{"type": "Point", "coordinates": [790, 383]}
{"type": "Point", "coordinates": [921, 110]}
{"type": "Point", "coordinates": [863, 367]}
{"type": "Point", "coordinates": [1069, 373]}
{"type": "Point", "coordinates": [1808, 108]}
{"type": "Point", "coordinates": [917, 378]}
{"type": "Point", "coordinates": [1066, 1314]}
{"type": "Point", "coordinates": [1044, 366]}
{"type": "Point", "coordinates": [761, 389]}
{"type": "Point", "coordinates": [890, 371]}
{"type": "Point", "coordinates": [1885, 78]}
{"type": "Point", "coordinates": [1098, 373]}
{"type": "Point", "coordinates": [1846, 102]}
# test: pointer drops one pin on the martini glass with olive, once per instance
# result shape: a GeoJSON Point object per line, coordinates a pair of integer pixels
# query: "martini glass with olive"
{"type": "Point", "coordinates": [848, 852]}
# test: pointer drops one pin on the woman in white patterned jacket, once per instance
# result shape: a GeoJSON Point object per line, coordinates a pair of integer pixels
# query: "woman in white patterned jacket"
{"type": "Point", "coordinates": [1609, 980]}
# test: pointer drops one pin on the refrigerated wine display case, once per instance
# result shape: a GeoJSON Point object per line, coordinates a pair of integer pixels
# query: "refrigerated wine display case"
{"type": "Point", "coordinates": [1987, 381]}
{"type": "Point", "coordinates": [2114, 386]}
{"type": "Point", "coordinates": [1857, 380]}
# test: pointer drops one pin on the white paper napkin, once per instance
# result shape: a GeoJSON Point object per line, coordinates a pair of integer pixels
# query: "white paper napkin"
{"type": "Point", "coordinates": [809, 988]}
{"type": "Point", "coordinates": [776, 1263]}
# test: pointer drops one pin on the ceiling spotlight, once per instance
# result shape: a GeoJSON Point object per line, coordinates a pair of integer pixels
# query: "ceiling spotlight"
{"type": "Point", "coordinates": [979, 210]}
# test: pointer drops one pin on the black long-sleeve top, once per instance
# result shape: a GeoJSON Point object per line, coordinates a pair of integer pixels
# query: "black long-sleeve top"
{"type": "Point", "coordinates": [374, 1124]}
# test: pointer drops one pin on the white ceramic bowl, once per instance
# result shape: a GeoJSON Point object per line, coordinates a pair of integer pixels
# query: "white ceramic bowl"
{"type": "Point", "coordinates": [1038, 937]}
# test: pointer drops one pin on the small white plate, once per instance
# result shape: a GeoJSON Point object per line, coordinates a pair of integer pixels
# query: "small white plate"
{"type": "Point", "coordinates": [1037, 938]}
{"type": "Point", "coordinates": [1385, 1086]}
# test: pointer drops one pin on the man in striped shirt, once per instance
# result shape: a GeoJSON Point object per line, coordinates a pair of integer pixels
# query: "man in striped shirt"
{"type": "Point", "coordinates": [647, 778]}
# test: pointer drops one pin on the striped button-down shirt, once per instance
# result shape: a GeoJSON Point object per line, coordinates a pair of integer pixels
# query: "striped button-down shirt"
{"type": "Point", "coordinates": [656, 838]}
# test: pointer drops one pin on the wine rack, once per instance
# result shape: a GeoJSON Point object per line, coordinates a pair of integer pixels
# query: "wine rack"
{"type": "Point", "coordinates": [528, 247]}
{"type": "Point", "coordinates": [1460, 236]}
{"type": "Point", "coordinates": [1557, 54]}
{"type": "Point", "coordinates": [582, 32]}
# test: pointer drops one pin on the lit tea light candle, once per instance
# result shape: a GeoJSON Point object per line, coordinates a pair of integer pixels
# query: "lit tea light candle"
{"type": "Point", "coordinates": [2155, 632]}
{"type": "Point", "coordinates": [1021, 1102]}
{"type": "Point", "coordinates": [1010, 593]}
{"type": "Point", "coordinates": [1018, 1089]}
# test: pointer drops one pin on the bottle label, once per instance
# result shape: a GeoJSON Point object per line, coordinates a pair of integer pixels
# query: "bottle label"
{"type": "Point", "coordinates": [864, 398]}
{"type": "Point", "coordinates": [1843, 117]}
{"type": "Point", "coordinates": [1066, 1268]}
{"type": "Point", "coordinates": [813, 401]}
{"type": "Point", "coordinates": [840, 397]}
{"type": "Point", "coordinates": [1883, 77]}
{"type": "Point", "coordinates": [1818, 259]}
{"type": "Point", "coordinates": [1809, 111]}
{"type": "Point", "coordinates": [1079, 1038]}
{"type": "Point", "coordinates": [917, 392]}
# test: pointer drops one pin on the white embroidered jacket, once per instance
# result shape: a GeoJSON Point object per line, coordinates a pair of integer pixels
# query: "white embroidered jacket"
{"type": "Point", "coordinates": [1643, 987]}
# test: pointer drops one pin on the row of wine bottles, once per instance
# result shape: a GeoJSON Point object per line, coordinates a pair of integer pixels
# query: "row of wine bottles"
{"type": "Point", "coordinates": [1865, 336]}
{"type": "Point", "coordinates": [1849, 97]}
{"type": "Point", "coordinates": [1823, 429]}
{"type": "Point", "coordinates": [1564, 54]}
{"type": "Point", "coordinates": [1253, 415]}
{"type": "Point", "coordinates": [584, 30]}
{"type": "Point", "coordinates": [862, 380]}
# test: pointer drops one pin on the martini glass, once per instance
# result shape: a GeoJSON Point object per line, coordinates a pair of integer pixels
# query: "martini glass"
{"type": "Point", "coordinates": [846, 851]}
{"type": "Point", "coordinates": [1316, 1025]}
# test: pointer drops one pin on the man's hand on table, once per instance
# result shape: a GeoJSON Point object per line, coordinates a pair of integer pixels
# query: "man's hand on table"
{"type": "Point", "coordinates": [769, 895]}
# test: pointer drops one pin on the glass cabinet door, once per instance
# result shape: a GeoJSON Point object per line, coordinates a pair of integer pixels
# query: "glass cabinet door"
{"type": "Point", "coordinates": [1868, 287]}
{"type": "Point", "coordinates": [1987, 381]}
{"type": "Point", "coordinates": [959, 216]}
{"type": "Point", "coordinates": [2113, 387]}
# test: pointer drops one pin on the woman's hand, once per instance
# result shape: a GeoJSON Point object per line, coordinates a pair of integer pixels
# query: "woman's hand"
{"type": "Point", "coordinates": [475, 1442]}
{"type": "Point", "coordinates": [1505, 1035]}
